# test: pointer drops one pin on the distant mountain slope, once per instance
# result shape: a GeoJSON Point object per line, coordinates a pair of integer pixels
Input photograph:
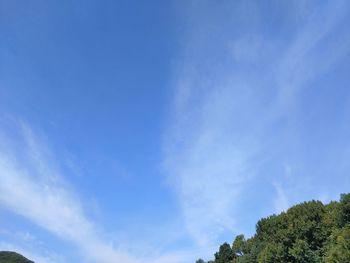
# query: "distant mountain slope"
{"type": "Point", "coordinates": [13, 257]}
{"type": "Point", "coordinates": [310, 232]}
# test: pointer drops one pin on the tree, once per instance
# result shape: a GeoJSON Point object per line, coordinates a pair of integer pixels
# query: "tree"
{"type": "Point", "coordinates": [225, 254]}
{"type": "Point", "coordinates": [239, 246]}
{"type": "Point", "coordinates": [310, 232]}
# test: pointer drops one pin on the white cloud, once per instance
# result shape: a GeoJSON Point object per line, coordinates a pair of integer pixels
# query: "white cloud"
{"type": "Point", "coordinates": [226, 113]}
{"type": "Point", "coordinates": [33, 188]}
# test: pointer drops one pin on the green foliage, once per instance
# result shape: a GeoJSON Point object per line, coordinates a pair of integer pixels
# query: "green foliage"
{"type": "Point", "coordinates": [310, 232]}
{"type": "Point", "coordinates": [339, 247]}
{"type": "Point", "coordinates": [272, 252]}
{"type": "Point", "coordinates": [345, 209]}
{"type": "Point", "coordinates": [225, 254]}
{"type": "Point", "coordinates": [12, 257]}
{"type": "Point", "coordinates": [239, 246]}
{"type": "Point", "coordinates": [302, 253]}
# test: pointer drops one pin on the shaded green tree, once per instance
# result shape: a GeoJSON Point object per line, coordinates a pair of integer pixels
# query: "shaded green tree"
{"type": "Point", "coordinates": [225, 254]}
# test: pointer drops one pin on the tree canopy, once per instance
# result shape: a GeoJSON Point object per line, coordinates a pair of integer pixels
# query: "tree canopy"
{"type": "Point", "coordinates": [310, 232]}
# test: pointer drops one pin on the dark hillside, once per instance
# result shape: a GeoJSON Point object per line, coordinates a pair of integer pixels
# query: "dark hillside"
{"type": "Point", "coordinates": [12, 257]}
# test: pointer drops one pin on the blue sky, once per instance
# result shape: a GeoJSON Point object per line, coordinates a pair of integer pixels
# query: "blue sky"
{"type": "Point", "coordinates": [153, 131]}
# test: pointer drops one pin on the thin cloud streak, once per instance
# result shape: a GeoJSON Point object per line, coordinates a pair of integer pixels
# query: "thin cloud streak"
{"type": "Point", "coordinates": [35, 191]}
{"type": "Point", "coordinates": [33, 187]}
{"type": "Point", "coordinates": [228, 110]}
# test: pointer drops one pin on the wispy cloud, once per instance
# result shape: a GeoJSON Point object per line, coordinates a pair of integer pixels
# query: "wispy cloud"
{"type": "Point", "coordinates": [234, 93]}
{"type": "Point", "coordinates": [31, 186]}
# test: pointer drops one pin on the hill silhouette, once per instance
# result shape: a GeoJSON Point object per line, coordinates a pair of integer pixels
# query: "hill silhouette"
{"type": "Point", "coordinates": [13, 257]}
